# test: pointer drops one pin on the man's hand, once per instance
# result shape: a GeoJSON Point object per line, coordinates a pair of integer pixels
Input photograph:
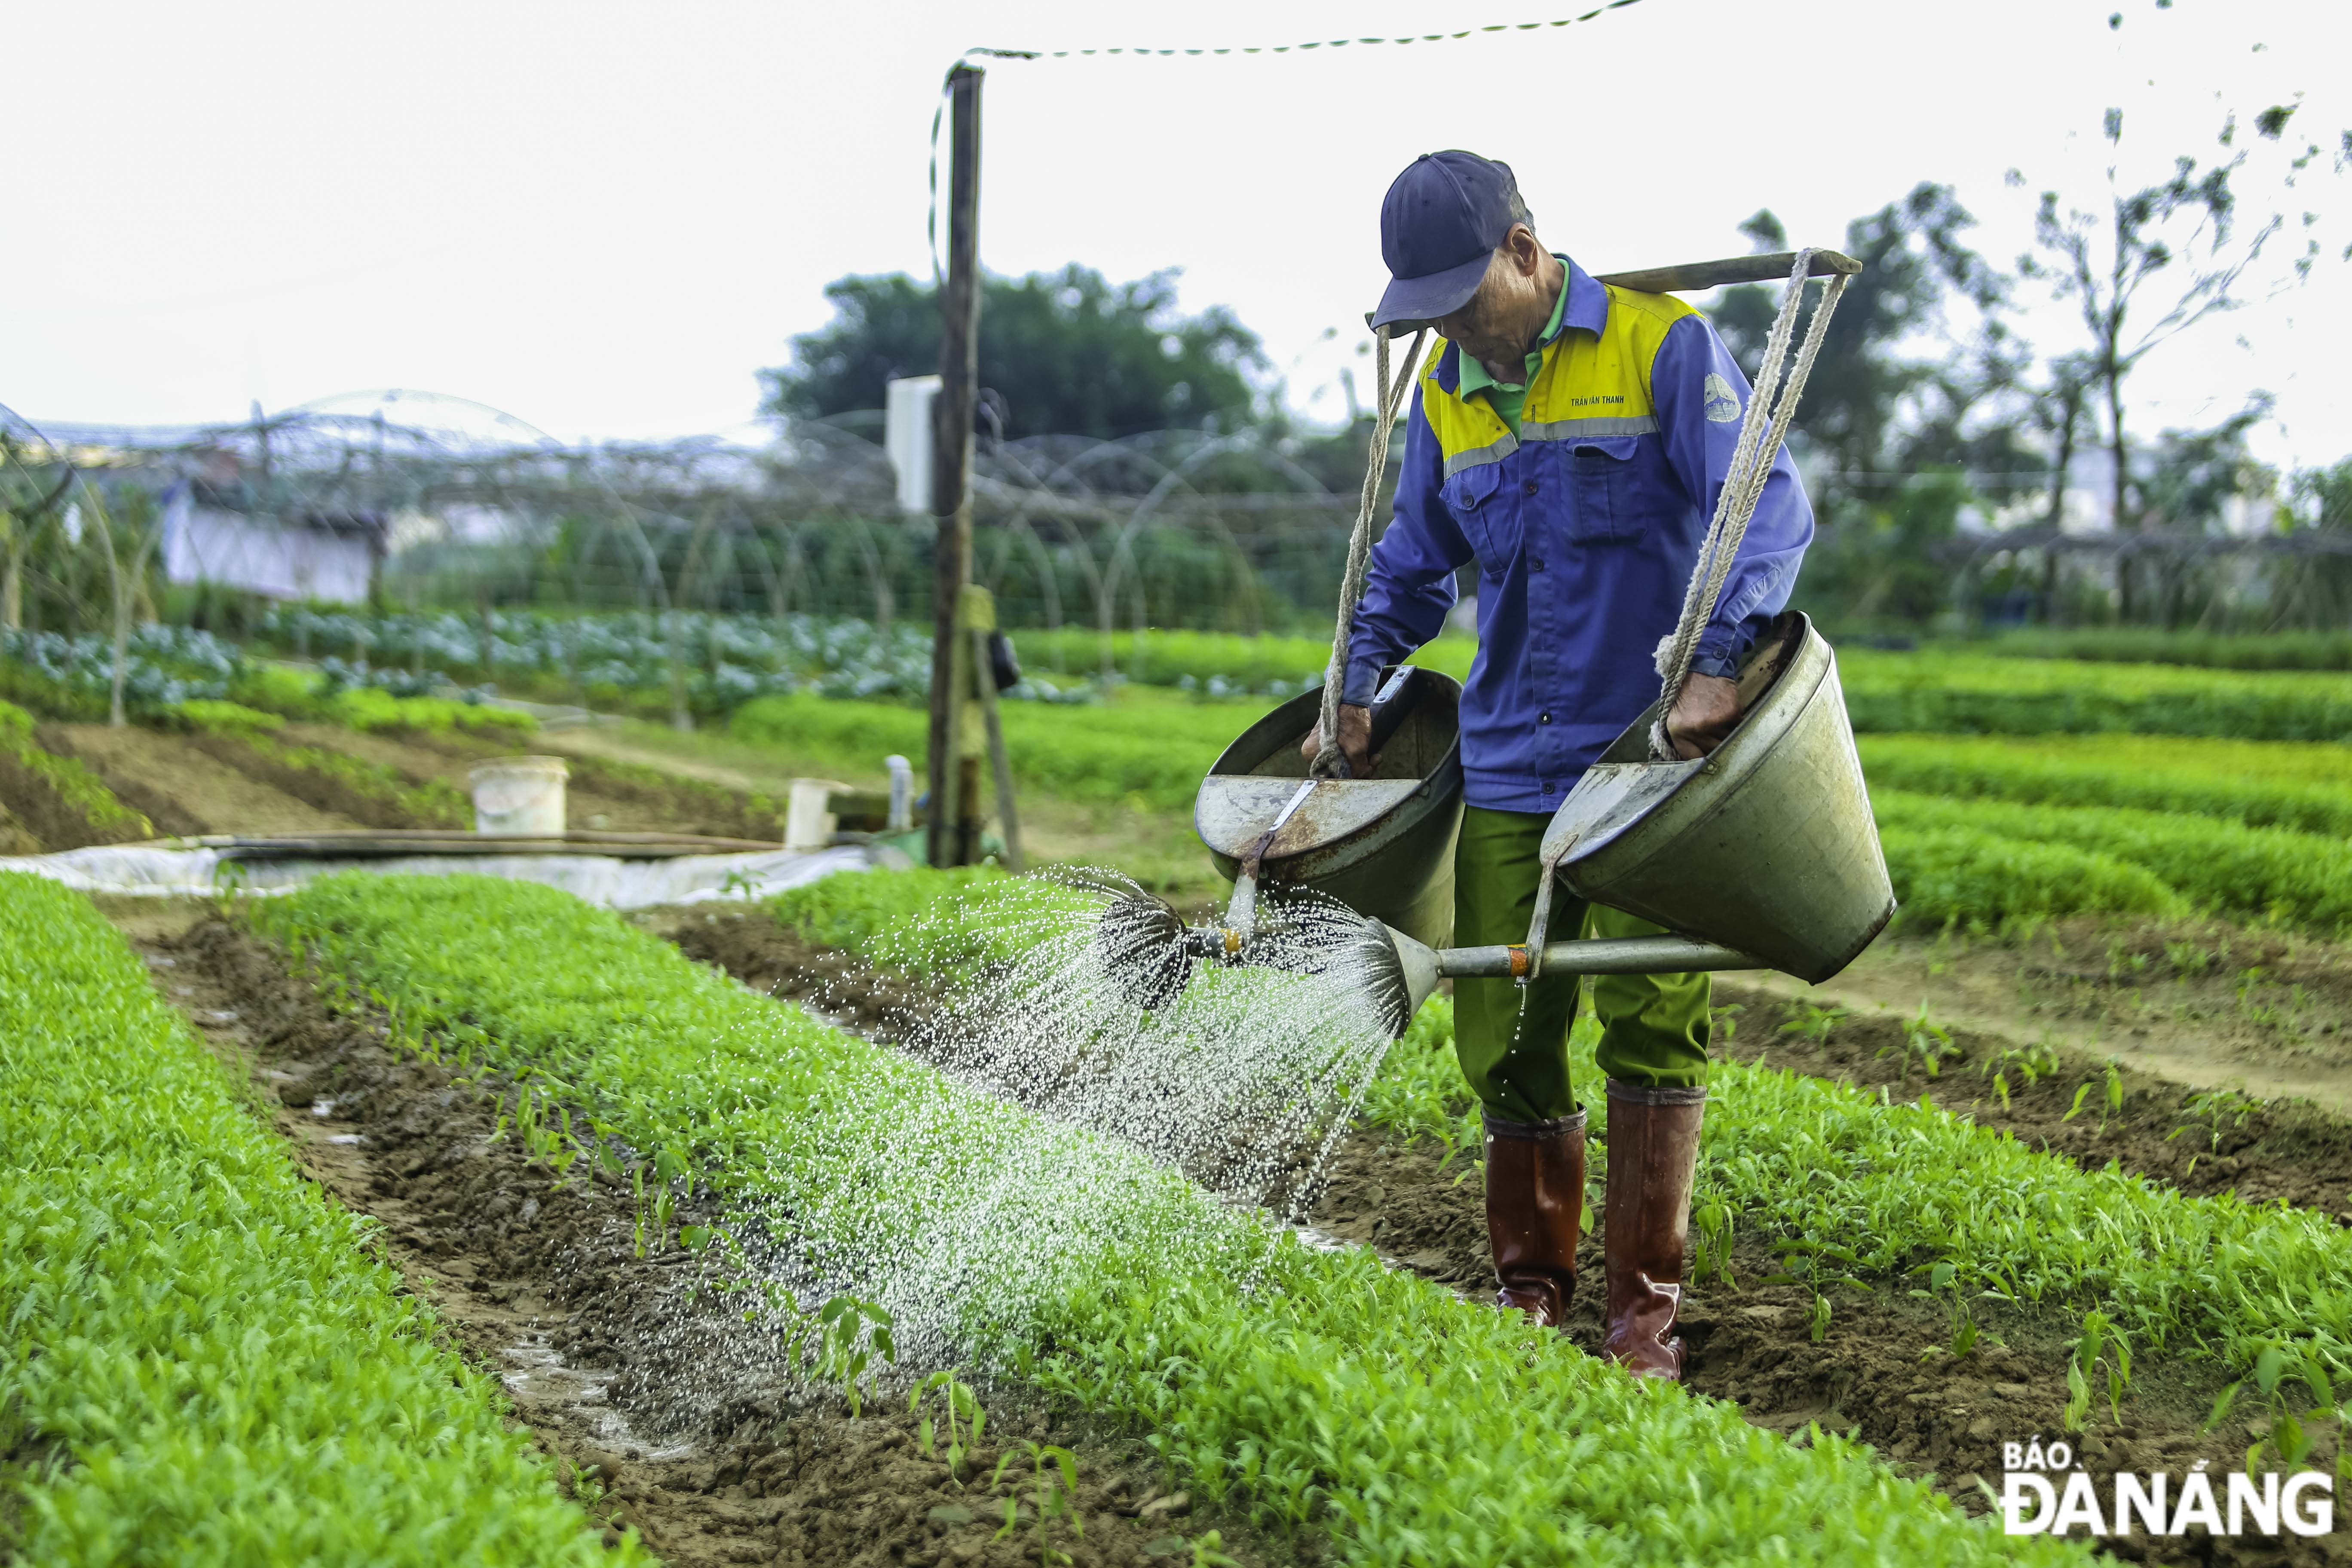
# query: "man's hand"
{"type": "Point", "coordinates": [1355, 740]}
{"type": "Point", "coordinates": [1702, 716]}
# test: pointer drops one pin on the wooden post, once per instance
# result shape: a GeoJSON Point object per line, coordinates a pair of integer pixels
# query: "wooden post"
{"type": "Point", "coordinates": [953, 826]}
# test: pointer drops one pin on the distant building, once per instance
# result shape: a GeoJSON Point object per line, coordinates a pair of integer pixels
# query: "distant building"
{"type": "Point", "coordinates": [316, 554]}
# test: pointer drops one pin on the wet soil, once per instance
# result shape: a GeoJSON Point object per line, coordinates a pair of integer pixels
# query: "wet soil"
{"type": "Point", "coordinates": [1881, 1370]}
{"type": "Point", "coordinates": [667, 1414]}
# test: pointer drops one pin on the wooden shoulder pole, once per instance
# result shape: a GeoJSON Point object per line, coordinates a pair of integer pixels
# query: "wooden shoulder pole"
{"type": "Point", "coordinates": [951, 415]}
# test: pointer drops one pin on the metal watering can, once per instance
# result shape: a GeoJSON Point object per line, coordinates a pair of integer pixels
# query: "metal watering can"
{"type": "Point", "coordinates": [1763, 855]}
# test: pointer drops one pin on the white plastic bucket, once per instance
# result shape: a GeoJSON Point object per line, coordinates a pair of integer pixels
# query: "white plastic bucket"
{"type": "Point", "coordinates": [810, 820]}
{"type": "Point", "coordinates": [520, 796]}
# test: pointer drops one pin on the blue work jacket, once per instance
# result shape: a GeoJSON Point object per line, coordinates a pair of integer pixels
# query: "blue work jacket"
{"type": "Point", "coordinates": [1584, 526]}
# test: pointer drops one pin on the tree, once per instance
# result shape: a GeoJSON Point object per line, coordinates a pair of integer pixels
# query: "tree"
{"type": "Point", "coordinates": [1063, 353]}
{"type": "Point", "coordinates": [2149, 263]}
{"type": "Point", "coordinates": [2185, 486]}
{"type": "Point", "coordinates": [1872, 413]}
{"type": "Point", "coordinates": [2317, 589]}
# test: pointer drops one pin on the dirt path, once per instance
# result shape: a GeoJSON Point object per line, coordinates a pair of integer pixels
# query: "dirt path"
{"type": "Point", "coordinates": [181, 789]}
{"type": "Point", "coordinates": [677, 1420]}
{"type": "Point", "coordinates": [2209, 1007]}
{"type": "Point", "coordinates": [2055, 1098]}
{"type": "Point", "coordinates": [1881, 1370]}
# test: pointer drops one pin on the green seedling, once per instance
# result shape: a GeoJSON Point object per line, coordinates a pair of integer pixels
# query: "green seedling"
{"type": "Point", "coordinates": [230, 880]}
{"type": "Point", "coordinates": [1814, 1023]}
{"type": "Point", "coordinates": [2032, 1063]}
{"type": "Point", "coordinates": [1053, 1494]}
{"type": "Point", "coordinates": [2290, 1437]}
{"type": "Point", "coordinates": [586, 1488]}
{"type": "Point", "coordinates": [1942, 1278]}
{"type": "Point", "coordinates": [1714, 1224]}
{"type": "Point", "coordinates": [851, 1335]}
{"type": "Point", "coordinates": [2101, 1353]}
{"type": "Point", "coordinates": [2214, 1107]}
{"type": "Point", "coordinates": [1925, 1041]}
{"type": "Point", "coordinates": [961, 1412]}
{"type": "Point", "coordinates": [1205, 1551]}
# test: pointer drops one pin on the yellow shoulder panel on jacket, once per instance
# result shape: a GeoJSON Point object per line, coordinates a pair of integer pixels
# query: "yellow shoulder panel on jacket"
{"type": "Point", "coordinates": [1645, 319]}
{"type": "Point", "coordinates": [1468, 432]}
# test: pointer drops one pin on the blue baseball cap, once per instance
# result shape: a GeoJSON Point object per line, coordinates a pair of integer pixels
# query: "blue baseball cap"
{"type": "Point", "coordinates": [1441, 224]}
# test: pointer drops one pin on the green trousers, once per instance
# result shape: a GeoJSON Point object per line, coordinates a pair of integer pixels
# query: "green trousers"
{"type": "Point", "coordinates": [1512, 1040]}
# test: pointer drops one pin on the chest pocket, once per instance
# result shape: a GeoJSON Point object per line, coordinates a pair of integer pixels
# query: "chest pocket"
{"type": "Point", "coordinates": [1601, 476]}
{"type": "Point", "coordinates": [1474, 498]}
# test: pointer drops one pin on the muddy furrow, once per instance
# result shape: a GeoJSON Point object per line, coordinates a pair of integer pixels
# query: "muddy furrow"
{"type": "Point", "coordinates": [1881, 1370]}
{"type": "Point", "coordinates": [676, 1418]}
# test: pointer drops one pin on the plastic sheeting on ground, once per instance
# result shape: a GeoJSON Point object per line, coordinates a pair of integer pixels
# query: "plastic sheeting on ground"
{"type": "Point", "coordinates": [603, 880]}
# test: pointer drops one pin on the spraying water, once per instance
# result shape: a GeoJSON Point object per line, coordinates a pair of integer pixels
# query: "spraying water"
{"type": "Point", "coordinates": [1226, 1082]}
{"type": "Point", "coordinates": [1242, 1081]}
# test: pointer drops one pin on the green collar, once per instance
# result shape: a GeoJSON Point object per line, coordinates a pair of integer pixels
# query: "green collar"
{"type": "Point", "coordinates": [1474, 374]}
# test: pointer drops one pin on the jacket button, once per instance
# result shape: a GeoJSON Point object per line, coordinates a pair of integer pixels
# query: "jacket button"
{"type": "Point", "coordinates": [1543, 718]}
{"type": "Point", "coordinates": [1535, 564]}
{"type": "Point", "coordinates": [1531, 486]}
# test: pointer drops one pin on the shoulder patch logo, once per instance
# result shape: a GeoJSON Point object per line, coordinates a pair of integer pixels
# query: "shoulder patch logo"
{"type": "Point", "coordinates": [1722, 404]}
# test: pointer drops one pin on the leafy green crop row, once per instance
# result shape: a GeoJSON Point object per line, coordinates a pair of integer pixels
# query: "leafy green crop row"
{"type": "Point", "coordinates": [1980, 881]}
{"type": "Point", "coordinates": [2265, 783]}
{"type": "Point", "coordinates": [2302, 878]}
{"type": "Point", "coordinates": [58, 790]}
{"type": "Point", "coordinates": [202, 1363]}
{"type": "Point", "coordinates": [1975, 693]}
{"type": "Point", "coordinates": [1881, 1191]}
{"type": "Point", "coordinates": [1417, 1426]}
{"type": "Point", "coordinates": [2145, 645]}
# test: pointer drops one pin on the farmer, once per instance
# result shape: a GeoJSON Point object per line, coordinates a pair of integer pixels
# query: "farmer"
{"type": "Point", "coordinates": [1570, 441]}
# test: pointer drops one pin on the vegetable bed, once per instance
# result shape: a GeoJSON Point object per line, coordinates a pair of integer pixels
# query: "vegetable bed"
{"type": "Point", "coordinates": [1413, 1426]}
{"type": "Point", "coordinates": [204, 1363]}
{"type": "Point", "coordinates": [1849, 1183]}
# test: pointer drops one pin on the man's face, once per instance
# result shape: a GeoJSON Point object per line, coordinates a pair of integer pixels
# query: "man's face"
{"type": "Point", "coordinates": [1494, 324]}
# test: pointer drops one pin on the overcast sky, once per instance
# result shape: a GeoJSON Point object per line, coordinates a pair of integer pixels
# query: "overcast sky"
{"type": "Point", "coordinates": [605, 217]}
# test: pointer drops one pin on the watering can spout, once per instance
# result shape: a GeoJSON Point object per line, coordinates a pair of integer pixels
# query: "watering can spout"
{"type": "Point", "coordinates": [1399, 971]}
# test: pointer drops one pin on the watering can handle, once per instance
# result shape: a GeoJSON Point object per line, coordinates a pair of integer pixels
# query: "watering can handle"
{"type": "Point", "coordinates": [1390, 706]}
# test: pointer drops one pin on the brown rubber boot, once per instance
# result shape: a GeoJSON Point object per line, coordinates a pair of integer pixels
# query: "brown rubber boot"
{"type": "Point", "coordinates": [1534, 1209]}
{"type": "Point", "coordinates": [1653, 1159]}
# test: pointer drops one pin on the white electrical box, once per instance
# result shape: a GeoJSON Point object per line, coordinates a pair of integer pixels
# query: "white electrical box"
{"type": "Point", "coordinates": [907, 437]}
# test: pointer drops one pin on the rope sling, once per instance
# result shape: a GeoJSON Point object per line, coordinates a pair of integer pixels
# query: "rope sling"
{"type": "Point", "coordinates": [1763, 426]}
